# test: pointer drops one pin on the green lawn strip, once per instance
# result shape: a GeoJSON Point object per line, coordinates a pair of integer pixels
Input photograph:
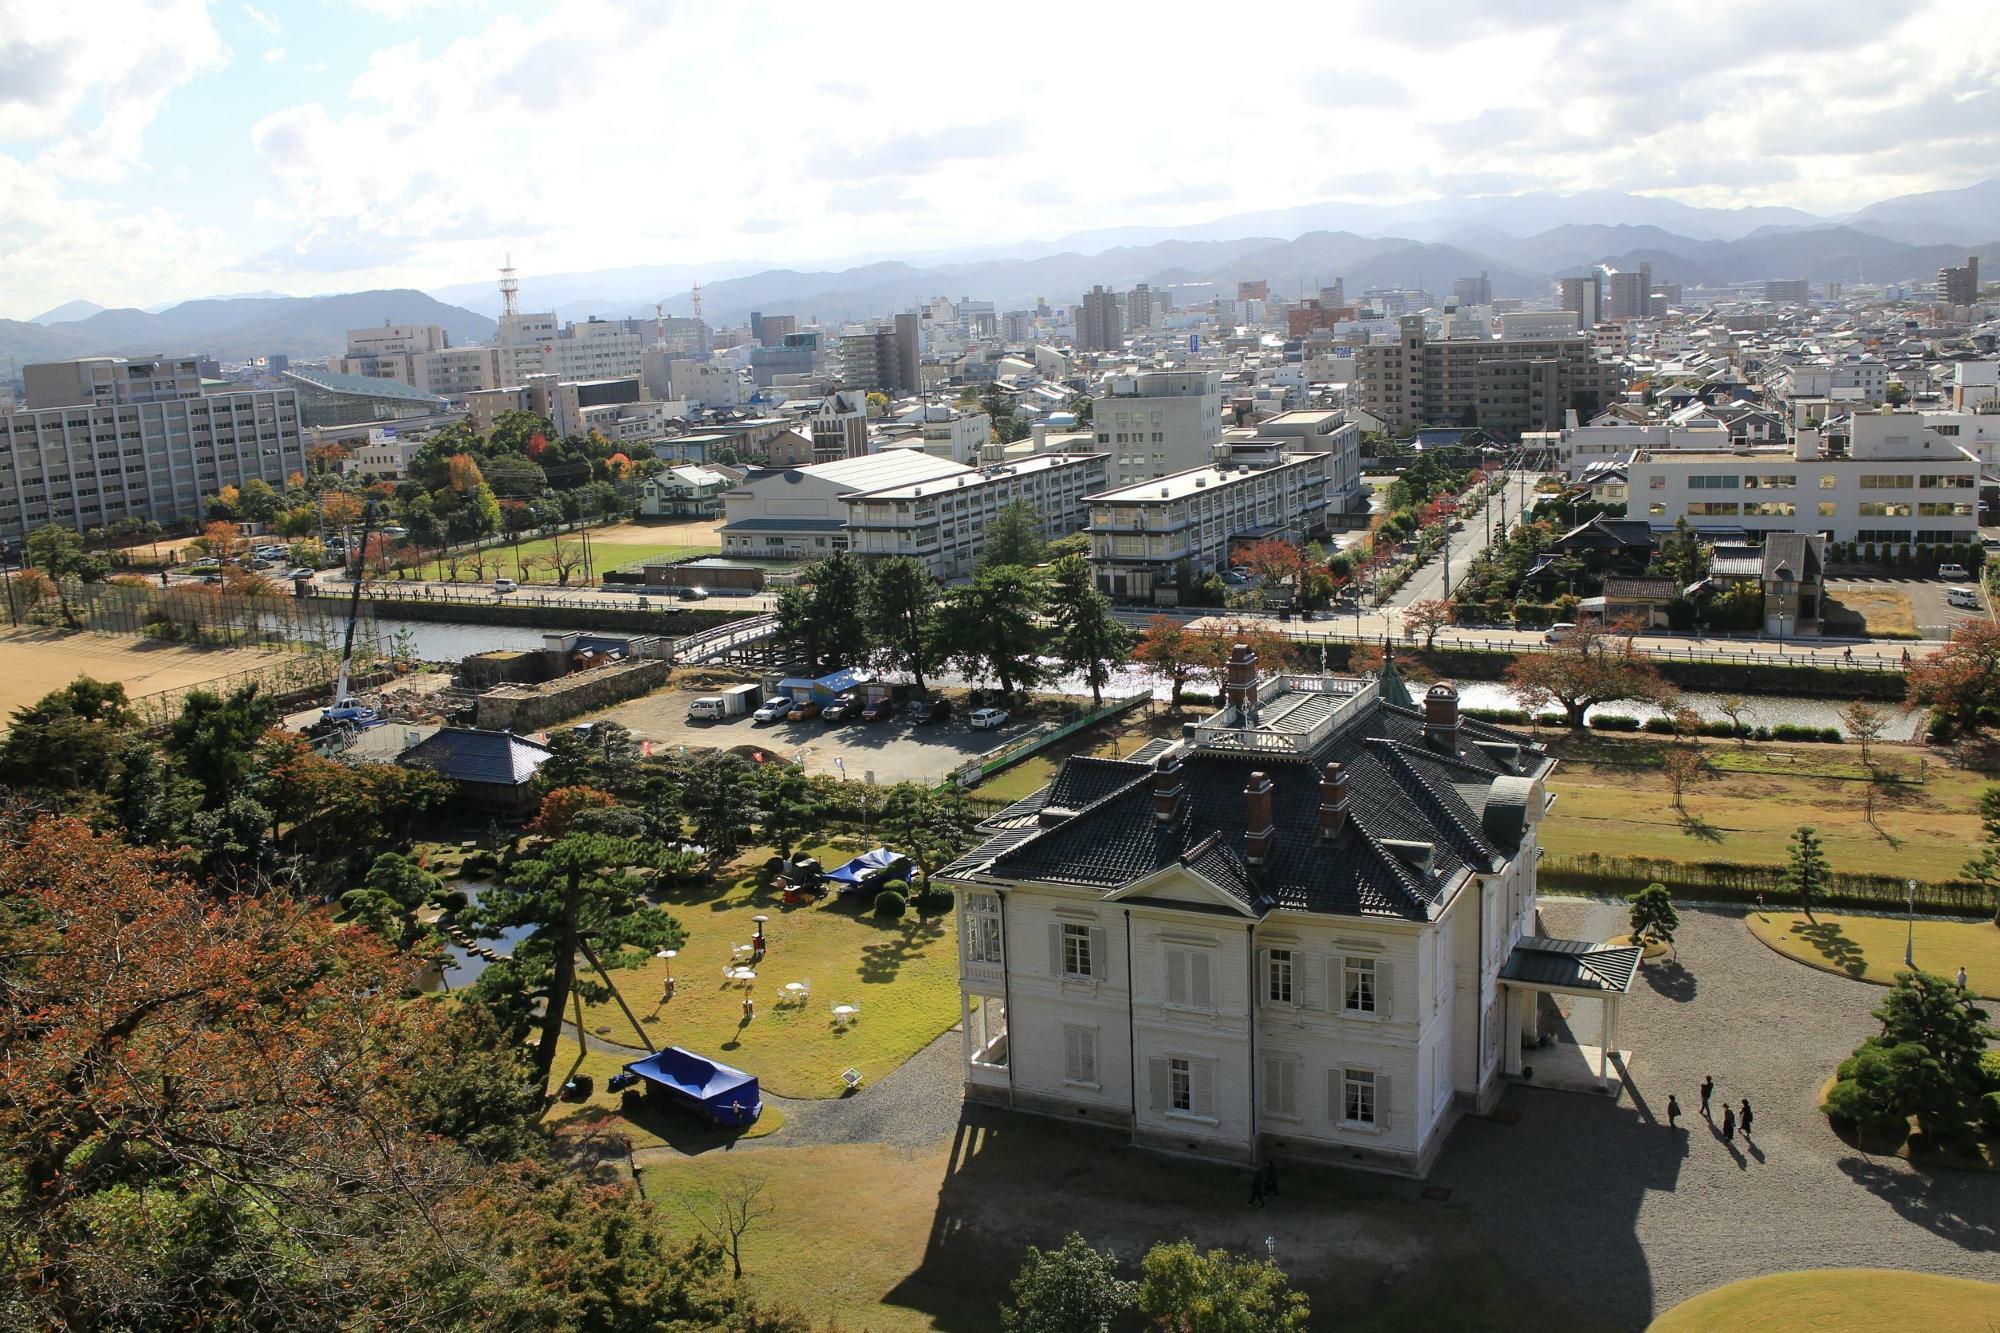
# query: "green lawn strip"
{"type": "Point", "coordinates": [902, 975]}
{"type": "Point", "coordinates": [1860, 1300]}
{"type": "Point", "coordinates": [1870, 948]}
{"type": "Point", "coordinates": [1778, 758]}
{"type": "Point", "coordinates": [947, 1228]}
{"type": "Point", "coordinates": [1121, 736]}
{"type": "Point", "coordinates": [503, 560]}
{"type": "Point", "coordinates": [1924, 831]}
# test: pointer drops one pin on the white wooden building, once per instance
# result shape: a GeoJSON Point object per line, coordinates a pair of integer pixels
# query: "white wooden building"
{"type": "Point", "coordinates": [1305, 929]}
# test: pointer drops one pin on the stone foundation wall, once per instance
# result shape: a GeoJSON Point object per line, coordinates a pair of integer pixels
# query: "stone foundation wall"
{"type": "Point", "coordinates": [527, 708]}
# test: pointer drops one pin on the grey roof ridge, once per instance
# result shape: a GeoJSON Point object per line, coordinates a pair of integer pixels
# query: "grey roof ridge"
{"type": "Point", "coordinates": [1443, 807]}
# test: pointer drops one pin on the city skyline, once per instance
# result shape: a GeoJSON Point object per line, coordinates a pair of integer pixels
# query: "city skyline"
{"type": "Point", "coordinates": [203, 149]}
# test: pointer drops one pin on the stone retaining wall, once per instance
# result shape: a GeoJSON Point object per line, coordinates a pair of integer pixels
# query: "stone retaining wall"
{"type": "Point", "coordinates": [527, 708]}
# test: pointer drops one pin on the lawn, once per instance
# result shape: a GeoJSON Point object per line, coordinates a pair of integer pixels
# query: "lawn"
{"type": "Point", "coordinates": [1879, 613]}
{"type": "Point", "coordinates": [1120, 736]}
{"type": "Point", "coordinates": [902, 975]}
{"type": "Point", "coordinates": [1858, 1299]}
{"type": "Point", "coordinates": [645, 1127]}
{"type": "Point", "coordinates": [1926, 830]}
{"type": "Point", "coordinates": [947, 1227]}
{"type": "Point", "coordinates": [1870, 948]}
{"type": "Point", "coordinates": [605, 554]}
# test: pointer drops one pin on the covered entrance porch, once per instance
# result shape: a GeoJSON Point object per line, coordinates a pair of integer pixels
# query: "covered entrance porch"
{"type": "Point", "coordinates": [1577, 969]}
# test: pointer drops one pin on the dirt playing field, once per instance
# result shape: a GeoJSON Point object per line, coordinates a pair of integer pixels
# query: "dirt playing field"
{"type": "Point", "coordinates": [33, 662]}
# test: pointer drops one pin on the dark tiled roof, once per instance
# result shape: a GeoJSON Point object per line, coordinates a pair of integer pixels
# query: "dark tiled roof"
{"type": "Point", "coordinates": [1576, 964]}
{"type": "Point", "coordinates": [463, 754]}
{"type": "Point", "coordinates": [1403, 792]}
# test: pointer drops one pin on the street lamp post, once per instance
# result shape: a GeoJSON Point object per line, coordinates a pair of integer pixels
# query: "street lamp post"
{"type": "Point", "coordinates": [1910, 926]}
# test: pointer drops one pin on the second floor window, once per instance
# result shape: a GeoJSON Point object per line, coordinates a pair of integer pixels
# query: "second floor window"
{"type": "Point", "coordinates": [1076, 961]}
{"type": "Point", "coordinates": [1180, 1079]}
{"type": "Point", "coordinates": [1358, 985]}
{"type": "Point", "coordinates": [1280, 976]}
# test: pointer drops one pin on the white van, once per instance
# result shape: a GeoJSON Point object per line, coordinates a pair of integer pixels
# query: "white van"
{"type": "Point", "coordinates": [1559, 631]}
{"type": "Point", "coordinates": [1965, 597]}
{"type": "Point", "coordinates": [1954, 572]}
{"type": "Point", "coordinates": [501, 586]}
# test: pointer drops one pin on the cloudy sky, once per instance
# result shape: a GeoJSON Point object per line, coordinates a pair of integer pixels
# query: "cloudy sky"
{"type": "Point", "coordinates": [152, 150]}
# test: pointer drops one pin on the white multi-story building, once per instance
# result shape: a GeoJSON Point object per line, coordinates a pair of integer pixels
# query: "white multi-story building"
{"type": "Point", "coordinates": [596, 349]}
{"type": "Point", "coordinates": [800, 513]}
{"type": "Point", "coordinates": [1158, 421]}
{"type": "Point", "coordinates": [454, 372]}
{"type": "Point", "coordinates": [1151, 538]}
{"type": "Point", "coordinates": [1581, 448]}
{"type": "Point", "coordinates": [106, 438]}
{"type": "Point", "coordinates": [1332, 434]}
{"type": "Point", "coordinates": [388, 353]}
{"type": "Point", "coordinates": [1888, 480]}
{"type": "Point", "coordinates": [1537, 324]}
{"type": "Point", "coordinates": [704, 382]}
{"type": "Point", "coordinates": [943, 521]}
{"type": "Point", "coordinates": [1976, 432]}
{"type": "Point", "coordinates": [1304, 931]}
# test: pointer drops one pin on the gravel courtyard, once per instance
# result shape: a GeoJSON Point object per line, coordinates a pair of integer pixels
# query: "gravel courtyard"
{"type": "Point", "coordinates": [1601, 1198]}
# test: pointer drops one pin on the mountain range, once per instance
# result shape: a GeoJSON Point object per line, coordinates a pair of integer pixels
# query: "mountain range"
{"type": "Point", "coordinates": [236, 328]}
{"type": "Point", "coordinates": [1521, 242]}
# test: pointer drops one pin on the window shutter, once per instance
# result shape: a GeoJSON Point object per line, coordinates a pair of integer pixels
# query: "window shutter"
{"type": "Point", "coordinates": [1334, 999]}
{"type": "Point", "coordinates": [1097, 955]}
{"type": "Point", "coordinates": [1383, 1087]}
{"type": "Point", "coordinates": [1055, 949]}
{"type": "Point", "coordinates": [1072, 1054]}
{"type": "Point", "coordinates": [1177, 978]}
{"type": "Point", "coordinates": [1336, 1100]}
{"type": "Point", "coordinates": [1157, 1070]}
{"type": "Point", "coordinates": [1260, 984]}
{"type": "Point", "coordinates": [1201, 993]}
{"type": "Point", "coordinates": [1202, 1074]}
{"type": "Point", "coordinates": [1086, 1044]}
{"type": "Point", "coordinates": [1309, 972]}
{"type": "Point", "coordinates": [1384, 979]}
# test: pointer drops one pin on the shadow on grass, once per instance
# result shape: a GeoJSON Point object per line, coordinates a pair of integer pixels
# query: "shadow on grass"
{"type": "Point", "coordinates": [1833, 945]}
{"type": "Point", "coordinates": [881, 962]}
{"type": "Point", "coordinates": [1670, 979]}
{"type": "Point", "coordinates": [1696, 827]}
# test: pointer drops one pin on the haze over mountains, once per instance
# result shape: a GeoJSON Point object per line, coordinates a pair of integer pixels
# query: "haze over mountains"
{"type": "Point", "coordinates": [1521, 241]}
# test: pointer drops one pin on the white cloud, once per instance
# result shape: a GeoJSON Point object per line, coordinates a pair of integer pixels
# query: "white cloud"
{"type": "Point", "coordinates": [274, 55]}
{"type": "Point", "coordinates": [261, 20]}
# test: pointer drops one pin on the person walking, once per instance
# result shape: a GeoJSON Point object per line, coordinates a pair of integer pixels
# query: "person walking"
{"type": "Point", "coordinates": [1961, 978]}
{"type": "Point", "coordinates": [1746, 1117]}
{"type": "Point", "coordinates": [1707, 1091]}
{"type": "Point", "coordinates": [1673, 1112]}
{"type": "Point", "coordinates": [1256, 1187]}
{"type": "Point", "coordinates": [1728, 1124]}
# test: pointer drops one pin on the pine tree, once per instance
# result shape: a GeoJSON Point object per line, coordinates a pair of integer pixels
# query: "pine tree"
{"type": "Point", "coordinates": [1807, 873]}
{"type": "Point", "coordinates": [1013, 538]}
{"type": "Point", "coordinates": [902, 615]}
{"type": "Point", "coordinates": [1653, 915]}
{"type": "Point", "coordinates": [1090, 640]}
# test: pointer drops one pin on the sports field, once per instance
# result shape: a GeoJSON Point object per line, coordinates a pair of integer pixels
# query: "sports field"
{"type": "Point", "coordinates": [34, 662]}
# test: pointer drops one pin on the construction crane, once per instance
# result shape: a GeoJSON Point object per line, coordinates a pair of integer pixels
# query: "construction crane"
{"type": "Point", "coordinates": [345, 716]}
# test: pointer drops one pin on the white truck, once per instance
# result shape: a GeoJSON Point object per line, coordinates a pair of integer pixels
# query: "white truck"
{"type": "Point", "coordinates": [732, 702]}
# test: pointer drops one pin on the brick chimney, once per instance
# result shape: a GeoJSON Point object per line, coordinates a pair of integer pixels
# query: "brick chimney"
{"type": "Point", "coordinates": [1260, 826]}
{"type": "Point", "coordinates": [1441, 717]}
{"type": "Point", "coordinates": [1333, 798]}
{"type": "Point", "coordinates": [1242, 687]}
{"type": "Point", "coordinates": [1168, 789]}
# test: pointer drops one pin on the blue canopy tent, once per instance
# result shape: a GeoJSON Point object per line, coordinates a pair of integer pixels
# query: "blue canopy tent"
{"type": "Point", "coordinates": [725, 1096]}
{"type": "Point", "coordinates": [869, 869]}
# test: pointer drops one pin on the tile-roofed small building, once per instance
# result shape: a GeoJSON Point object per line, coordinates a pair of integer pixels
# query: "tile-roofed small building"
{"type": "Point", "coordinates": [1282, 933]}
{"type": "Point", "coordinates": [493, 771]}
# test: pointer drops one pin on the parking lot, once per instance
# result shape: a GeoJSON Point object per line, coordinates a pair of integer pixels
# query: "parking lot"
{"type": "Point", "coordinates": [1891, 605]}
{"type": "Point", "coordinates": [893, 751]}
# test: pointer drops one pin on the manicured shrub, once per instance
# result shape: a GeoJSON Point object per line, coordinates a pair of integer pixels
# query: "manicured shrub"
{"type": "Point", "coordinates": [1660, 726]}
{"type": "Point", "coordinates": [895, 886]}
{"type": "Point", "coordinates": [934, 900]}
{"type": "Point", "coordinates": [1615, 722]}
{"type": "Point", "coordinates": [890, 905]}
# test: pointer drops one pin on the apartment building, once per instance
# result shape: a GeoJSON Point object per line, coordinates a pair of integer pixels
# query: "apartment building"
{"type": "Point", "coordinates": [1537, 324]}
{"type": "Point", "coordinates": [705, 383]}
{"type": "Point", "coordinates": [839, 426]}
{"type": "Point", "coordinates": [1507, 385]}
{"type": "Point", "coordinates": [1149, 539]}
{"type": "Point", "coordinates": [1960, 285]}
{"type": "Point", "coordinates": [110, 438]}
{"type": "Point", "coordinates": [884, 358]}
{"type": "Point", "coordinates": [1878, 478]}
{"type": "Point", "coordinates": [1305, 930]}
{"type": "Point", "coordinates": [1583, 297]}
{"type": "Point", "coordinates": [943, 521]}
{"type": "Point", "coordinates": [1099, 328]}
{"type": "Point", "coordinates": [454, 372]}
{"type": "Point", "coordinates": [1158, 421]}
{"type": "Point", "coordinates": [389, 352]}
{"type": "Point", "coordinates": [1472, 291]}
{"type": "Point", "coordinates": [941, 430]}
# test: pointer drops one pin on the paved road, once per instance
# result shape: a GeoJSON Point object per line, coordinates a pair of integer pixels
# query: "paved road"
{"type": "Point", "coordinates": [1600, 1197]}
{"type": "Point", "coordinates": [1428, 582]}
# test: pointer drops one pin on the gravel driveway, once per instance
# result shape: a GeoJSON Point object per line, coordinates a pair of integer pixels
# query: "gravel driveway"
{"type": "Point", "coordinates": [1600, 1197]}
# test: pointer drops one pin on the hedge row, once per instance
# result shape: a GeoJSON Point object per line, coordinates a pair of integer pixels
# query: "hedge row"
{"type": "Point", "coordinates": [1663, 726]}
{"type": "Point", "coordinates": [1617, 875]}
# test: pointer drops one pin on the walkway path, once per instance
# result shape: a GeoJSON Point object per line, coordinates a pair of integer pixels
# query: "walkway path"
{"type": "Point", "coordinates": [1599, 1196]}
